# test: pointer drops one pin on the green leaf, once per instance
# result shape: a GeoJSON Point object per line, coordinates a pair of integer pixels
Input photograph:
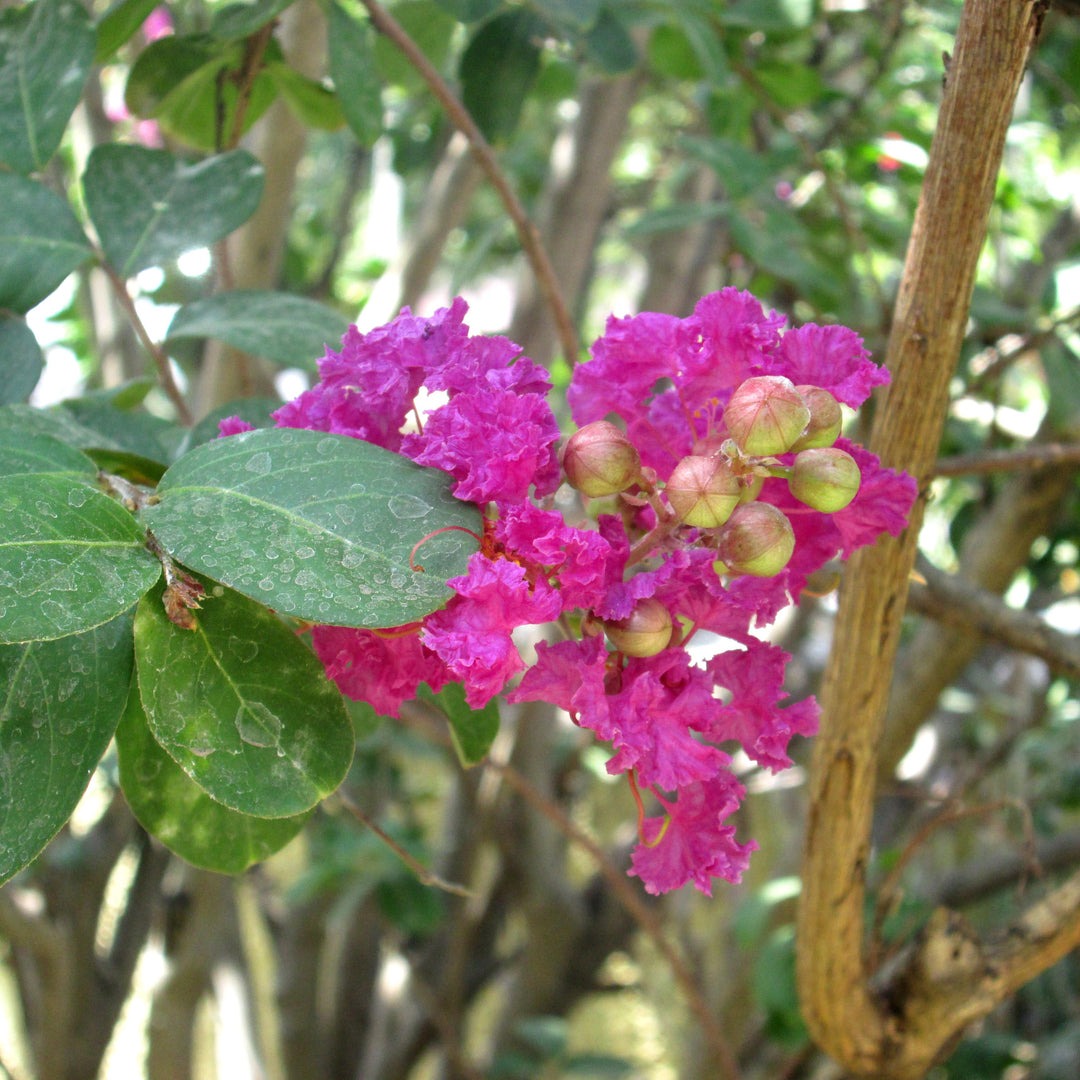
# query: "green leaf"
{"type": "Point", "coordinates": [579, 14]}
{"type": "Point", "coordinates": [172, 807]}
{"type": "Point", "coordinates": [765, 15]}
{"type": "Point", "coordinates": [352, 67]}
{"type": "Point", "coordinates": [40, 242]}
{"type": "Point", "coordinates": [282, 327]}
{"type": "Point", "coordinates": [149, 207]}
{"type": "Point", "coordinates": [609, 45]}
{"type": "Point", "coordinates": [242, 20]}
{"type": "Point", "coordinates": [791, 85]}
{"type": "Point", "coordinates": [139, 433]}
{"type": "Point", "coordinates": [311, 102]}
{"type": "Point", "coordinates": [58, 710]}
{"type": "Point", "coordinates": [23, 451]}
{"type": "Point", "coordinates": [190, 85]}
{"type": "Point", "coordinates": [471, 730]}
{"type": "Point", "coordinates": [498, 68]}
{"type": "Point", "coordinates": [314, 525]}
{"type": "Point", "coordinates": [22, 360]}
{"type": "Point", "coordinates": [118, 25]}
{"type": "Point", "coordinates": [432, 30]}
{"type": "Point", "coordinates": [70, 557]}
{"type": "Point", "coordinates": [469, 10]}
{"type": "Point", "coordinates": [55, 421]}
{"type": "Point", "coordinates": [46, 50]}
{"type": "Point", "coordinates": [242, 705]}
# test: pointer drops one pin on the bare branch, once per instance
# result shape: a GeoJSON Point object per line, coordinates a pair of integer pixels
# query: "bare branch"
{"type": "Point", "coordinates": [459, 116]}
{"type": "Point", "coordinates": [1040, 456]}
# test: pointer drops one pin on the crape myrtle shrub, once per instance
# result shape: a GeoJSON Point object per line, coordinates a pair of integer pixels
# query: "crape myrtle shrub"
{"type": "Point", "coordinates": [731, 485]}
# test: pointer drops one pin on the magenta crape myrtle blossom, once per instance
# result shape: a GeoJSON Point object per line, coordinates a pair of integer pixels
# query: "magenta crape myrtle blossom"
{"type": "Point", "coordinates": [671, 721]}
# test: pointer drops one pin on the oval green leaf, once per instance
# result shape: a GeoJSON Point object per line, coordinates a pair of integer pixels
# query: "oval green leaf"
{"type": "Point", "coordinates": [314, 525]}
{"type": "Point", "coordinates": [46, 50]}
{"type": "Point", "coordinates": [35, 452]}
{"type": "Point", "coordinates": [352, 67]}
{"type": "Point", "coordinates": [60, 705]}
{"type": "Point", "coordinates": [172, 807]}
{"type": "Point", "coordinates": [149, 206]}
{"type": "Point", "coordinates": [40, 242]}
{"type": "Point", "coordinates": [282, 327]}
{"type": "Point", "coordinates": [22, 360]}
{"type": "Point", "coordinates": [70, 557]}
{"type": "Point", "coordinates": [242, 705]}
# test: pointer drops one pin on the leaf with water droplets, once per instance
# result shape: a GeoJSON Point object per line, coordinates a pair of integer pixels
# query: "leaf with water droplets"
{"type": "Point", "coordinates": [172, 807]}
{"type": "Point", "coordinates": [58, 710]}
{"type": "Point", "coordinates": [242, 705]}
{"type": "Point", "coordinates": [71, 558]}
{"type": "Point", "coordinates": [317, 526]}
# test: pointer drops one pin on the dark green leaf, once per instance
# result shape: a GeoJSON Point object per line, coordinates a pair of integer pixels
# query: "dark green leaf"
{"type": "Point", "coordinates": [498, 68]}
{"type": "Point", "coordinates": [764, 15]}
{"type": "Point", "coordinates": [579, 14]}
{"type": "Point", "coordinates": [352, 67]}
{"type": "Point", "coordinates": [678, 216]}
{"type": "Point", "coordinates": [22, 360]}
{"type": "Point", "coordinates": [672, 55]}
{"type": "Point", "coordinates": [471, 730]}
{"type": "Point", "coordinates": [164, 65]}
{"type": "Point", "coordinates": [138, 433]}
{"type": "Point", "coordinates": [118, 25]}
{"type": "Point", "coordinates": [60, 705]}
{"type": "Point", "coordinates": [791, 85]}
{"type": "Point", "coordinates": [172, 807]}
{"type": "Point", "coordinates": [410, 905]}
{"type": "Point", "coordinates": [469, 10]}
{"type": "Point", "coordinates": [190, 85]}
{"type": "Point", "coordinates": [609, 45]}
{"type": "Point", "coordinates": [311, 102]}
{"type": "Point", "coordinates": [314, 525]}
{"type": "Point", "coordinates": [133, 467]}
{"type": "Point", "coordinates": [55, 421]}
{"type": "Point", "coordinates": [40, 242]}
{"type": "Point", "coordinates": [429, 27]}
{"type": "Point", "coordinates": [23, 451]}
{"type": "Point", "coordinates": [241, 20]}
{"type": "Point", "coordinates": [282, 327]}
{"type": "Point", "coordinates": [242, 705]}
{"type": "Point", "coordinates": [46, 50]}
{"type": "Point", "coordinates": [149, 207]}
{"type": "Point", "coordinates": [70, 557]}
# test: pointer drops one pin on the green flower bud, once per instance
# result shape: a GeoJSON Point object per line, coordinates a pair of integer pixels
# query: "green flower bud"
{"type": "Point", "coordinates": [703, 491]}
{"type": "Point", "coordinates": [757, 540]}
{"type": "Point", "coordinates": [765, 415]}
{"type": "Point", "coordinates": [826, 479]}
{"type": "Point", "coordinates": [826, 419]}
{"type": "Point", "coordinates": [600, 460]}
{"type": "Point", "coordinates": [644, 632]}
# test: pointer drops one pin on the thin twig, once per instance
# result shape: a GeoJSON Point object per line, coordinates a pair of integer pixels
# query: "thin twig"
{"type": "Point", "coordinates": [161, 361]}
{"type": "Point", "coordinates": [254, 50]}
{"type": "Point", "coordinates": [1040, 456]}
{"type": "Point", "coordinates": [481, 148]}
{"type": "Point", "coordinates": [629, 897]}
{"type": "Point", "coordinates": [423, 874]}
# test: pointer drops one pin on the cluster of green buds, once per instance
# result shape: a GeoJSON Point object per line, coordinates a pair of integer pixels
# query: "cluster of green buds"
{"type": "Point", "coordinates": [715, 490]}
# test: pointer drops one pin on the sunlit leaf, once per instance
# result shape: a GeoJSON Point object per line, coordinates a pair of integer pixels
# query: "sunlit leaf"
{"type": "Point", "coordinates": [172, 807]}
{"type": "Point", "coordinates": [71, 558]}
{"type": "Point", "coordinates": [314, 525]}
{"type": "Point", "coordinates": [242, 705]}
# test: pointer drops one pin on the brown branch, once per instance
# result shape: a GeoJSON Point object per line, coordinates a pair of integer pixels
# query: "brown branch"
{"type": "Point", "coordinates": [643, 915]}
{"type": "Point", "coordinates": [949, 598]}
{"type": "Point", "coordinates": [868, 1035]}
{"type": "Point", "coordinates": [1040, 456]}
{"type": "Point", "coordinates": [157, 354]}
{"type": "Point", "coordinates": [460, 118]}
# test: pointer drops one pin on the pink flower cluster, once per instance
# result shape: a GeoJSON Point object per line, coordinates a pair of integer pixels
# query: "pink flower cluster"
{"type": "Point", "coordinates": [667, 379]}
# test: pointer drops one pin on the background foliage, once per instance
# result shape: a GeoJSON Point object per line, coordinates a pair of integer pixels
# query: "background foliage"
{"type": "Point", "coordinates": [188, 218]}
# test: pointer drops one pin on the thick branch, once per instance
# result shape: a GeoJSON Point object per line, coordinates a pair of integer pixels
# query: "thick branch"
{"type": "Point", "coordinates": [951, 599]}
{"type": "Point", "coordinates": [844, 1016]}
